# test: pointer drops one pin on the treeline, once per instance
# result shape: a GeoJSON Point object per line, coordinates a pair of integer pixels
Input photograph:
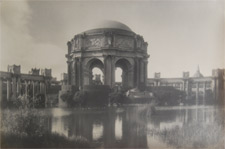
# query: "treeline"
{"type": "Point", "coordinates": [168, 95]}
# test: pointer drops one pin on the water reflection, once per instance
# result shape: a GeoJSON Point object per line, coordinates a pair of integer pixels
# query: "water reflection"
{"type": "Point", "coordinates": [118, 127]}
{"type": "Point", "coordinates": [58, 126]}
{"type": "Point", "coordinates": [129, 127]}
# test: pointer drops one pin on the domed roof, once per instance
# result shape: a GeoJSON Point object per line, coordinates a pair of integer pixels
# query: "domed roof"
{"type": "Point", "coordinates": [112, 25]}
{"type": "Point", "coordinates": [198, 73]}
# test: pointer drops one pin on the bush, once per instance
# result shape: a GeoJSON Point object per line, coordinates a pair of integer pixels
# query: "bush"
{"type": "Point", "coordinates": [26, 101]}
{"type": "Point", "coordinates": [168, 95]}
{"type": "Point", "coordinates": [77, 99]}
{"type": "Point", "coordinates": [22, 122]}
{"type": "Point", "coordinates": [117, 98]}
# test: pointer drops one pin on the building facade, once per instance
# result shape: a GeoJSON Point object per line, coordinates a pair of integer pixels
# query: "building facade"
{"type": "Point", "coordinates": [197, 86]}
{"type": "Point", "coordinates": [14, 84]}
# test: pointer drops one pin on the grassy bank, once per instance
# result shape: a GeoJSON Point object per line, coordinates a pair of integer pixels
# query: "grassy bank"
{"type": "Point", "coordinates": [47, 140]}
{"type": "Point", "coordinates": [26, 128]}
{"type": "Point", "coordinates": [195, 136]}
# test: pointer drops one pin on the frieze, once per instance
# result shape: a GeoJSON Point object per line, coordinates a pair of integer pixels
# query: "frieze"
{"type": "Point", "coordinates": [124, 42]}
{"type": "Point", "coordinates": [92, 42]}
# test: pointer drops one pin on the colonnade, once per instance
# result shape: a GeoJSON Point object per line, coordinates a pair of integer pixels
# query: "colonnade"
{"type": "Point", "coordinates": [14, 86]}
{"type": "Point", "coordinates": [134, 70]}
{"type": "Point", "coordinates": [188, 86]}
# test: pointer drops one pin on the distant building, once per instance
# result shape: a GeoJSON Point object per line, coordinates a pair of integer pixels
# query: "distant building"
{"type": "Point", "coordinates": [14, 84]}
{"type": "Point", "coordinates": [197, 86]}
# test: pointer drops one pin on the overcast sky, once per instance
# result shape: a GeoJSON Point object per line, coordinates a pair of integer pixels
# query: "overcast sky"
{"type": "Point", "coordinates": [181, 34]}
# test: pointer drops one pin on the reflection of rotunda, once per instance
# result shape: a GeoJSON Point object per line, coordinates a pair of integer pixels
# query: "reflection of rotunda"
{"type": "Point", "coordinates": [112, 44]}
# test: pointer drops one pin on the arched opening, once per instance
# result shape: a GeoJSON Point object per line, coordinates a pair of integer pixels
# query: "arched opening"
{"type": "Point", "coordinates": [97, 76]}
{"type": "Point", "coordinates": [95, 69]}
{"type": "Point", "coordinates": [118, 77]}
{"type": "Point", "coordinates": [122, 73]}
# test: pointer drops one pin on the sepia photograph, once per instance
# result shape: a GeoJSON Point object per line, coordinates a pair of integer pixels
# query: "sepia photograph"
{"type": "Point", "coordinates": [112, 74]}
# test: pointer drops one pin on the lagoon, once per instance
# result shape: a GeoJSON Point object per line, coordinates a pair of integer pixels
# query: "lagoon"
{"type": "Point", "coordinates": [134, 126]}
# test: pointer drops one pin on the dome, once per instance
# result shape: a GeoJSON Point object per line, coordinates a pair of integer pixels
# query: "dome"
{"type": "Point", "coordinates": [112, 25]}
{"type": "Point", "coordinates": [198, 73]}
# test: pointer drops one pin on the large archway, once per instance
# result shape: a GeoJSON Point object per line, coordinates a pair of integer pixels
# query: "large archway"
{"type": "Point", "coordinates": [95, 69]}
{"type": "Point", "coordinates": [126, 77]}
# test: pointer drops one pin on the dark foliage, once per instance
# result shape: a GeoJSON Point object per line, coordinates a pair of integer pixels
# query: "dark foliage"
{"type": "Point", "coordinates": [168, 95]}
{"type": "Point", "coordinates": [25, 128]}
{"type": "Point", "coordinates": [73, 100]}
{"type": "Point", "coordinates": [117, 97]}
{"type": "Point", "coordinates": [47, 140]}
{"type": "Point", "coordinates": [26, 102]}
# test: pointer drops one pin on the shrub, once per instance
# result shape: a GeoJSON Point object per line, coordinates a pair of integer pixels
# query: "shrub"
{"type": "Point", "coordinates": [168, 95]}
{"type": "Point", "coordinates": [77, 99]}
{"type": "Point", "coordinates": [117, 98]}
{"type": "Point", "coordinates": [25, 128]}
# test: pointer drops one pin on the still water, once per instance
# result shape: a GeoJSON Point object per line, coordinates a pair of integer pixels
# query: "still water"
{"type": "Point", "coordinates": [130, 126]}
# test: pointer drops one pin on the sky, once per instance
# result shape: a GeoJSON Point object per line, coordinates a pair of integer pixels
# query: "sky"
{"type": "Point", "coordinates": [181, 34]}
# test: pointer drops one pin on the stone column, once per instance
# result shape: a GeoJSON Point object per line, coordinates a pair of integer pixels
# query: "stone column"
{"type": "Point", "coordinates": [38, 87]}
{"type": "Point", "coordinates": [145, 72]}
{"type": "Point", "coordinates": [69, 72]}
{"type": "Point", "coordinates": [183, 86]}
{"type": "Point", "coordinates": [18, 86]}
{"type": "Point", "coordinates": [109, 73]}
{"type": "Point", "coordinates": [130, 78]}
{"type": "Point", "coordinates": [174, 85]}
{"type": "Point", "coordinates": [113, 71]}
{"type": "Point", "coordinates": [141, 71]}
{"type": "Point", "coordinates": [137, 72]}
{"type": "Point", "coordinates": [26, 88]}
{"type": "Point", "coordinates": [80, 73]}
{"type": "Point", "coordinates": [158, 83]}
{"type": "Point", "coordinates": [204, 92]}
{"type": "Point", "coordinates": [197, 93]}
{"type": "Point", "coordinates": [45, 93]}
{"type": "Point", "coordinates": [214, 87]}
{"type": "Point", "coordinates": [187, 89]}
{"type": "Point", "coordinates": [8, 89]}
{"type": "Point", "coordinates": [33, 91]}
{"type": "Point", "coordinates": [41, 87]}
{"type": "Point", "coordinates": [73, 71]}
{"type": "Point", "coordinates": [14, 85]}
